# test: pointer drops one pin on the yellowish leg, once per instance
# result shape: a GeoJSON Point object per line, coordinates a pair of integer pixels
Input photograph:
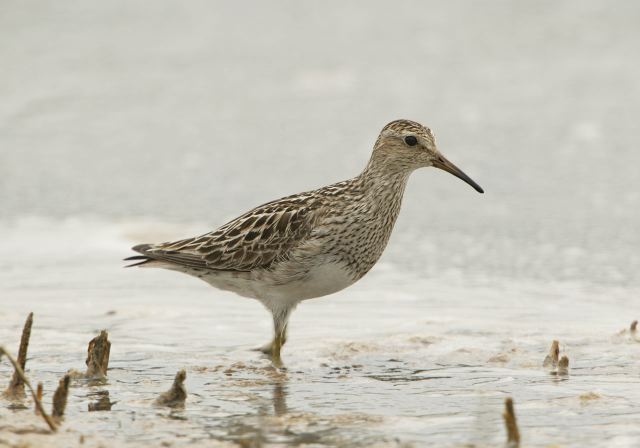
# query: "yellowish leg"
{"type": "Point", "coordinates": [279, 339]}
{"type": "Point", "coordinates": [275, 350]}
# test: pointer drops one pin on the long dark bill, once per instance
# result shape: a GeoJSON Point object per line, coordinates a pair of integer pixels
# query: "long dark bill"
{"type": "Point", "coordinates": [444, 164]}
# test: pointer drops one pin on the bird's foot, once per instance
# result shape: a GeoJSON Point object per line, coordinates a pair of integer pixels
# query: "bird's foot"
{"type": "Point", "coordinates": [276, 346]}
{"type": "Point", "coordinates": [277, 362]}
{"type": "Point", "coordinates": [266, 349]}
{"type": "Point", "coordinates": [272, 350]}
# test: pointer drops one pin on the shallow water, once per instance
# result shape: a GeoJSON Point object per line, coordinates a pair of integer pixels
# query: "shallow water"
{"type": "Point", "coordinates": [399, 358]}
{"type": "Point", "coordinates": [127, 122]}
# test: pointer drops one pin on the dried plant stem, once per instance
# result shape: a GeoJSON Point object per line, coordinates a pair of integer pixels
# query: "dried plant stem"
{"type": "Point", "coordinates": [98, 356]}
{"type": "Point", "coordinates": [510, 422]}
{"type": "Point", "coordinates": [20, 373]}
{"type": "Point", "coordinates": [39, 395]}
{"type": "Point", "coordinates": [60, 397]}
{"type": "Point", "coordinates": [563, 366]}
{"type": "Point", "coordinates": [176, 396]}
{"type": "Point", "coordinates": [16, 387]}
{"type": "Point", "coordinates": [551, 360]}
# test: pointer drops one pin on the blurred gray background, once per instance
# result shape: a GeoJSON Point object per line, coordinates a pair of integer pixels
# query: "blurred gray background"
{"type": "Point", "coordinates": [196, 111]}
{"type": "Point", "coordinates": [138, 121]}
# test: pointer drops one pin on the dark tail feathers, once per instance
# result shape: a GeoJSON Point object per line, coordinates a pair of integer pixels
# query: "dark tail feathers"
{"type": "Point", "coordinates": [140, 259]}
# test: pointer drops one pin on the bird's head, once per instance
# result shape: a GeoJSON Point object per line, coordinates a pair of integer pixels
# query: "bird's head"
{"type": "Point", "coordinates": [405, 145]}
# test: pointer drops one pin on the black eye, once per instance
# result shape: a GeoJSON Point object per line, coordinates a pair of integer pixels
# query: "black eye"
{"type": "Point", "coordinates": [411, 140]}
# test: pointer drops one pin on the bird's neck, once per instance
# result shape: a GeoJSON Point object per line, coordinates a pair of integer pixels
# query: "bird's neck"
{"type": "Point", "coordinates": [384, 188]}
{"type": "Point", "coordinates": [381, 179]}
{"type": "Point", "coordinates": [373, 207]}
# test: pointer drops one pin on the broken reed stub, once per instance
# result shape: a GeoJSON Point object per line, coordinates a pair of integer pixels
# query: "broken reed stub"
{"type": "Point", "coordinates": [176, 396]}
{"type": "Point", "coordinates": [20, 372]}
{"type": "Point", "coordinates": [39, 392]}
{"type": "Point", "coordinates": [511, 424]}
{"type": "Point", "coordinates": [60, 397]}
{"type": "Point", "coordinates": [631, 332]}
{"type": "Point", "coordinates": [15, 390]}
{"type": "Point", "coordinates": [563, 365]}
{"type": "Point", "coordinates": [551, 360]}
{"type": "Point", "coordinates": [98, 356]}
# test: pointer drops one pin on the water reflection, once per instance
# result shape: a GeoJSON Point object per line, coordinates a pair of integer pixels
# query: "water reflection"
{"type": "Point", "coordinates": [280, 398]}
{"type": "Point", "coordinates": [102, 401]}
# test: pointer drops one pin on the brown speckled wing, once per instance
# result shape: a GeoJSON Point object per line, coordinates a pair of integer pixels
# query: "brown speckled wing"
{"type": "Point", "coordinates": [255, 240]}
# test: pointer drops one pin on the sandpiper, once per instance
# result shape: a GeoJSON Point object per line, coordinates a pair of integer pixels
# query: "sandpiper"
{"type": "Point", "coordinates": [309, 244]}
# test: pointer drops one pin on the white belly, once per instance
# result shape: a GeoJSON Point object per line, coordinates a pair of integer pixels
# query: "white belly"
{"type": "Point", "coordinates": [320, 281]}
{"type": "Point", "coordinates": [277, 286]}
